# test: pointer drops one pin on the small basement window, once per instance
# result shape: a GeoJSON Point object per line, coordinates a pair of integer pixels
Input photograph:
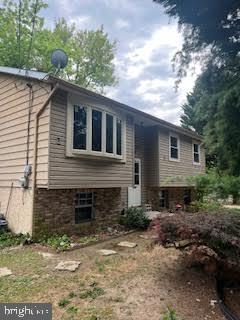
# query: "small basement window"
{"type": "Point", "coordinates": [163, 198]}
{"type": "Point", "coordinates": [83, 207]}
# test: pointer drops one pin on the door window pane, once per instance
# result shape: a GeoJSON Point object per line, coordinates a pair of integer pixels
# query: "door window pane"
{"type": "Point", "coordinates": [136, 179]}
{"type": "Point", "coordinates": [137, 173]}
{"type": "Point", "coordinates": [136, 167]}
{"type": "Point", "coordinates": [119, 137]}
{"type": "Point", "coordinates": [96, 130]}
{"type": "Point", "coordinates": [109, 133]}
{"type": "Point", "coordinates": [80, 128]}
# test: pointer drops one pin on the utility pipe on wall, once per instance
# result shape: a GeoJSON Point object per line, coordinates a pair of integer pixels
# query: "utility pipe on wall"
{"type": "Point", "coordinates": [35, 146]}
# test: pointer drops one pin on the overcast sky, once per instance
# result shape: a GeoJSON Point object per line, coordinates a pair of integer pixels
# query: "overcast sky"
{"type": "Point", "coordinates": [146, 42]}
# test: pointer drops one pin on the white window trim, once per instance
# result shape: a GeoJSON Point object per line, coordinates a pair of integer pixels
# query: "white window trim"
{"type": "Point", "coordinates": [85, 206]}
{"type": "Point", "coordinates": [71, 152]}
{"type": "Point", "coordinates": [174, 135]}
{"type": "Point", "coordinates": [199, 152]}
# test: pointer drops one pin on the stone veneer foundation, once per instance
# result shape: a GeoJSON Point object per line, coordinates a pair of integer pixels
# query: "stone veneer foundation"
{"type": "Point", "coordinates": [54, 211]}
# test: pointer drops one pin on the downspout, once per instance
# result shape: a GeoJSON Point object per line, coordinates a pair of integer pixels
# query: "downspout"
{"type": "Point", "coordinates": [35, 146]}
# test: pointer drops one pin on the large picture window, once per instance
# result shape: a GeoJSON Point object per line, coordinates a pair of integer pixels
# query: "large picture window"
{"type": "Point", "coordinates": [95, 131]}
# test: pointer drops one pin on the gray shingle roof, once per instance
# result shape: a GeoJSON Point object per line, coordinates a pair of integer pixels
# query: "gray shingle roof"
{"type": "Point", "coordinates": [24, 73]}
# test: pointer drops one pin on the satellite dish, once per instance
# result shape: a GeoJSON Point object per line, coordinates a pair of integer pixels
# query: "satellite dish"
{"type": "Point", "coordinates": [59, 59]}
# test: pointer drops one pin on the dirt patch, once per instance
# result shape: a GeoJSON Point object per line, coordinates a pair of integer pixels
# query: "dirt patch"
{"type": "Point", "coordinates": [137, 283]}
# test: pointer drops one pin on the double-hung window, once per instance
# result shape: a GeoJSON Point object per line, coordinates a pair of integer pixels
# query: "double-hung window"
{"type": "Point", "coordinates": [95, 131]}
{"type": "Point", "coordinates": [196, 153]}
{"type": "Point", "coordinates": [174, 148]}
{"type": "Point", "coordinates": [83, 206]}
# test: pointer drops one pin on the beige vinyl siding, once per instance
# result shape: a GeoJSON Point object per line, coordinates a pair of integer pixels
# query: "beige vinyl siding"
{"type": "Point", "coordinates": [80, 172]}
{"type": "Point", "coordinates": [174, 173]}
{"type": "Point", "coordinates": [14, 107]}
{"type": "Point", "coordinates": [152, 157]}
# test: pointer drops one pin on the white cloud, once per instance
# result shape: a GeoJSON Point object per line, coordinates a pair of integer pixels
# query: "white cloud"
{"type": "Point", "coordinates": [146, 44]}
{"type": "Point", "coordinates": [163, 39]}
{"type": "Point", "coordinates": [121, 23]}
{"type": "Point", "coordinates": [81, 22]}
{"type": "Point", "coordinates": [153, 85]}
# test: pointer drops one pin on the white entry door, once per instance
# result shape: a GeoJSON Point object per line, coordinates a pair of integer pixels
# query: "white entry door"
{"type": "Point", "coordinates": [134, 193]}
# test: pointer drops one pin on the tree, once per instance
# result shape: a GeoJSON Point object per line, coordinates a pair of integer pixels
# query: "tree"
{"type": "Point", "coordinates": [18, 24]}
{"type": "Point", "coordinates": [213, 109]}
{"type": "Point", "coordinates": [26, 43]}
{"type": "Point", "coordinates": [211, 31]}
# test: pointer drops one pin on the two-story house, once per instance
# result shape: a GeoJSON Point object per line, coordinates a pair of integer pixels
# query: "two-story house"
{"type": "Point", "coordinates": [71, 160]}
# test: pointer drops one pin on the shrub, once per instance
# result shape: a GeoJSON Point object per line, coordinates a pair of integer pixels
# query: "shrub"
{"type": "Point", "coordinates": [8, 239]}
{"type": "Point", "coordinates": [135, 218]}
{"type": "Point", "coordinates": [206, 206]}
{"type": "Point", "coordinates": [218, 231]}
{"type": "Point", "coordinates": [215, 186]}
{"type": "Point", "coordinates": [60, 242]}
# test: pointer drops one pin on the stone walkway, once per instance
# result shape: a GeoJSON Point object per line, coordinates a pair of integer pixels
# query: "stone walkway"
{"type": "Point", "coordinates": [73, 265]}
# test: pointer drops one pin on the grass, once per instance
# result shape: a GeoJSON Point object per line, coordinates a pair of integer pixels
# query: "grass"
{"type": "Point", "coordinates": [234, 210]}
{"type": "Point", "coordinates": [102, 289]}
{"type": "Point", "coordinates": [93, 292]}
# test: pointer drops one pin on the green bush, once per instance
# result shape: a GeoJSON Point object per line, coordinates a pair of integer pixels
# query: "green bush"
{"type": "Point", "coordinates": [135, 218]}
{"type": "Point", "coordinates": [207, 206]}
{"type": "Point", "coordinates": [60, 242]}
{"type": "Point", "coordinates": [214, 186]}
{"type": "Point", "coordinates": [7, 239]}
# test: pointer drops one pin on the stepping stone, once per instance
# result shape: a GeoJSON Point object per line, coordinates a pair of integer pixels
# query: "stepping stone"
{"type": "Point", "coordinates": [148, 237]}
{"type": "Point", "coordinates": [5, 272]}
{"type": "Point", "coordinates": [47, 255]}
{"type": "Point", "coordinates": [68, 265]}
{"type": "Point", "coordinates": [127, 244]}
{"type": "Point", "coordinates": [105, 252]}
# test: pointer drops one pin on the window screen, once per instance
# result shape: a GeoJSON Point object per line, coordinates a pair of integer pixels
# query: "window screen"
{"type": "Point", "coordinates": [83, 206]}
